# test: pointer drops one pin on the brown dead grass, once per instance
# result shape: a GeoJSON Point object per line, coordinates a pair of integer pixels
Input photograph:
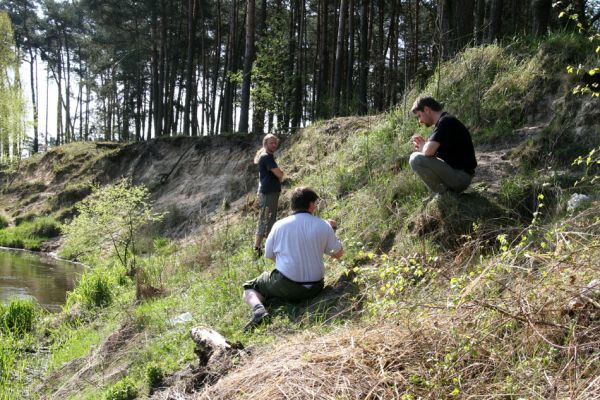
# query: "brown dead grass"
{"type": "Point", "coordinates": [524, 327]}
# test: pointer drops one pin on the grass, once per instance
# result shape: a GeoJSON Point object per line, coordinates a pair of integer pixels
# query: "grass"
{"type": "Point", "coordinates": [17, 323]}
{"type": "Point", "coordinates": [30, 234]}
{"type": "Point", "coordinates": [463, 297]}
{"type": "Point", "coordinates": [4, 221]}
{"type": "Point", "coordinates": [18, 317]}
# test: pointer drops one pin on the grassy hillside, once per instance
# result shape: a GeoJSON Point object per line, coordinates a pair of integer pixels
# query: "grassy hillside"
{"type": "Point", "coordinates": [491, 293]}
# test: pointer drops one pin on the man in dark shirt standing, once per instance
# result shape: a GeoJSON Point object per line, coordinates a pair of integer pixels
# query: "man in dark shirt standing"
{"type": "Point", "coordinates": [269, 187]}
{"type": "Point", "coordinates": [446, 161]}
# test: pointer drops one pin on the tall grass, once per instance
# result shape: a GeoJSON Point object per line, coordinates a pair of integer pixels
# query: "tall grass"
{"type": "Point", "coordinates": [18, 317]}
{"type": "Point", "coordinates": [17, 321]}
{"type": "Point", "coordinates": [457, 311]}
{"type": "Point", "coordinates": [30, 234]}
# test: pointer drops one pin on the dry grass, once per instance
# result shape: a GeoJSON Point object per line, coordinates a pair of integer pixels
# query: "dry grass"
{"type": "Point", "coordinates": [520, 327]}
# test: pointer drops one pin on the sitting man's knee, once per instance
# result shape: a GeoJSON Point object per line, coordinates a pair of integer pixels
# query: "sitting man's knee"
{"type": "Point", "coordinates": [416, 159]}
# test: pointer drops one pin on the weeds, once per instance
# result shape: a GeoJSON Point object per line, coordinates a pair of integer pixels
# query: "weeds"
{"type": "Point", "coordinates": [466, 297]}
{"type": "Point", "coordinates": [30, 235]}
{"type": "Point", "coordinates": [18, 317]}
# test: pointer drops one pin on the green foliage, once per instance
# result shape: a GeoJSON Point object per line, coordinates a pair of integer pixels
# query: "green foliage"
{"type": "Point", "coordinates": [18, 317]}
{"type": "Point", "coordinates": [591, 164]}
{"type": "Point", "coordinates": [590, 68]}
{"type": "Point", "coordinates": [125, 389]}
{"type": "Point", "coordinates": [154, 375]}
{"type": "Point", "coordinates": [30, 235]}
{"type": "Point", "coordinates": [12, 102]}
{"type": "Point", "coordinates": [486, 87]}
{"type": "Point", "coordinates": [8, 357]}
{"type": "Point", "coordinates": [387, 279]}
{"type": "Point", "coordinates": [109, 222]}
{"type": "Point", "coordinates": [4, 221]}
{"type": "Point", "coordinates": [272, 84]}
{"type": "Point", "coordinates": [95, 289]}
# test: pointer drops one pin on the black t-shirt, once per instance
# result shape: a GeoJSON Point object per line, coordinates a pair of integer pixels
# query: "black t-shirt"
{"type": "Point", "coordinates": [456, 147]}
{"type": "Point", "coordinates": [268, 182]}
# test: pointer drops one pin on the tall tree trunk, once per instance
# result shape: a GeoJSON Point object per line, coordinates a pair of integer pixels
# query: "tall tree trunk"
{"type": "Point", "coordinates": [228, 95]}
{"type": "Point", "coordinates": [541, 16]}
{"type": "Point", "coordinates": [258, 116]}
{"type": "Point", "coordinates": [190, 67]}
{"type": "Point", "coordinates": [349, 91]}
{"type": "Point", "coordinates": [339, 55]}
{"type": "Point", "coordinates": [479, 22]}
{"type": "Point", "coordinates": [298, 93]}
{"type": "Point", "coordinates": [33, 81]}
{"type": "Point", "coordinates": [322, 81]}
{"type": "Point", "coordinates": [68, 122]}
{"type": "Point", "coordinates": [495, 21]}
{"type": "Point", "coordinates": [364, 58]}
{"type": "Point", "coordinates": [248, 59]}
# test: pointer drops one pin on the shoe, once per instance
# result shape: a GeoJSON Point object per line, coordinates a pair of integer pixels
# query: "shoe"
{"type": "Point", "coordinates": [259, 315]}
{"type": "Point", "coordinates": [431, 197]}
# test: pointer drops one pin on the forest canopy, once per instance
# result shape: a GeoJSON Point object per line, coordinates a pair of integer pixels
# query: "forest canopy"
{"type": "Point", "coordinates": [137, 69]}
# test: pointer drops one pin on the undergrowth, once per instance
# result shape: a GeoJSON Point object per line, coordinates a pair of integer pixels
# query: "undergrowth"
{"type": "Point", "coordinates": [30, 234]}
{"type": "Point", "coordinates": [473, 295]}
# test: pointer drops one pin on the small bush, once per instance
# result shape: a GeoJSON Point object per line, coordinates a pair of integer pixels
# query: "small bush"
{"type": "Point", "coordinates": [154, 375]}
{"type": "Point", "coordinates": [94, 290]}
{"type": "Point", "coordinates": [125, 389]}
{"type": "Point", "coordinates": [18, 317]}
{"type": "Point", "coordinates": [46, 227]}
{"type": "Point", "coordinates": [4, 221]}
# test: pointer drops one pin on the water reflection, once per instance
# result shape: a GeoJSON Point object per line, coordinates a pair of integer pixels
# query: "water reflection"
{"type": "Point", "coordinates": [24, 275]}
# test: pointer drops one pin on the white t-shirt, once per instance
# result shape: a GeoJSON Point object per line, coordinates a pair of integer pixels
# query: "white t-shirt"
{"type": "Point", "coordinates": [298, 243]}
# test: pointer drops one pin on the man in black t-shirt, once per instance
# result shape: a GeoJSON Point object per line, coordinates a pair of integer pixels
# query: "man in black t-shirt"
{"type": "Point", "coordinates": [446, 161]}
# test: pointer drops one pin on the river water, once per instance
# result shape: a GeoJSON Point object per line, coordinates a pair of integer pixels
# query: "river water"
{"type": "Point", "coordinates": [31, 275]}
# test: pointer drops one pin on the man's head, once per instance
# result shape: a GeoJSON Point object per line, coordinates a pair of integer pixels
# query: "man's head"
{"type": "Point", "coordinates": [304, 199]}
{"type": "Point", "coordinates": [270, 143]}
{"type": "Point", "coordinates": [427, 110]}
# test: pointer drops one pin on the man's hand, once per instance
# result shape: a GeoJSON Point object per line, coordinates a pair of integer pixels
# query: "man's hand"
{"type": "Point", "coordinates": [333, 224]}
{"type": "Point", "coordinates": [418, 142]}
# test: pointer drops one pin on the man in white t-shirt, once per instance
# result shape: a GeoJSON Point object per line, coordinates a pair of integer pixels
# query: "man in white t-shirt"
{"type": "Point", "coordinates": [296, 244]}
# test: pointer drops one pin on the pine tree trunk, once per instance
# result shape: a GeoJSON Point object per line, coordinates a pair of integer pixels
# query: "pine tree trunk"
{"type": "Point", "coordinates": [339, 56]}
{"type": "Point", "coordinates": [248, 60]}
{"type": "Point", "coordinates": [189, 78]}
{"type": "Point", "coordinates": [364, 58]}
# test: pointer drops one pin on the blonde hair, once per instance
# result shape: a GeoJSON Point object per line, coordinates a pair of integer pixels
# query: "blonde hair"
{"type": "Point", "coordinates": [263, 149]}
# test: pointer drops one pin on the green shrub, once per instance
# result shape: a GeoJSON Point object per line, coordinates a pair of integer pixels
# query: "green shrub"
{"type": "Point", "coordinates": [29, 216]}
{"type": "Point", "coordinates": [4, 221]}
{"type": "Point", "coordinates": [110, 221]}
{"type": "Point", "coordinates": [18, 317]}
{"type": "Point", "coordinates": [95, 289]}
{"type": "Point", "coordinates": [45, 227]}
{"type": "Point", "coordinates": [154, 375]}
{"type": "Point", "coordinates": [125, 389]}
{"type": "Point", "coordinates": [30, 235]}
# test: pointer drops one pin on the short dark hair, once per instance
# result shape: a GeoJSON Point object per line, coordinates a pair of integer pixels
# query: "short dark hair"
{"type": "Point", "coordinates": [302, 197]}
{"type": "Point", "coordinates": [426, 101]}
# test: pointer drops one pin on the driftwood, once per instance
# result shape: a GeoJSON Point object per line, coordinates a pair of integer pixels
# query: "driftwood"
{"type": "Point", "coordinates": [211, 345]}
{"type": "Point", "coordinates": [216, 356]}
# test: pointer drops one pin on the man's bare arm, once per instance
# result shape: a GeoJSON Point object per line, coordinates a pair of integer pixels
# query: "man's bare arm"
{"type": "Point", "coordinates": [278, 173]}
{"type": "Point", "coordinates": [430, 148]}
